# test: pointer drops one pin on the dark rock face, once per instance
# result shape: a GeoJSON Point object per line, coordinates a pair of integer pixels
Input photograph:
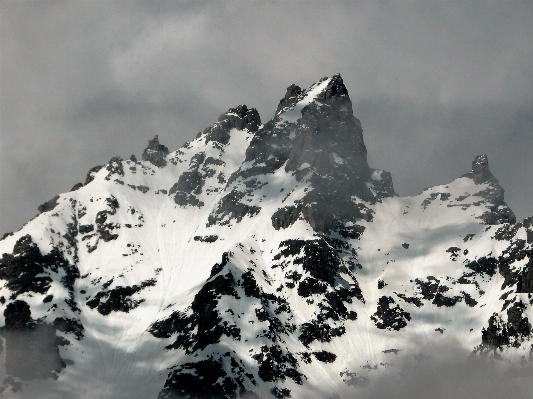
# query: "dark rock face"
{"type": "Point", "coordinates": [285, 217]}
{"type": "Point", "coordinates": [324, 268]}
{"type": "Point", "coordinates": [525, 278]}
{"type": "Point", "coordinates": [319, 260]}
{"type": "Point", "coordinates": [92, 172]}
{"type": "Point", "coordinates": [204, 379]}
{"type": "Point", "coordinates": [37, 268]}
{"type": "Point", "coordinates": [325, 147]}
{"type": "Point", "coordinates": [114, 168]}
{"type": "Point", "coordinates": [76, 186]}
{"type": "Point", "coordinates": [483, 265]}
{"type": "Point", "coordinates": [231, 208]}
{"type": "Point", "coordinates": [27, 270]}
{"type": "Point", "coordinates": [290, 99]}
{"type": "Point", "coordinates": [69, 326]}
{"type": "Point", "coordinates": [500, 333]}
{"type": "Point", "coordinates": [480, 169]}
{"type": "Point", "coordinates": [276, 364]}
{"type": "Point", "coordinates": [118, 299]}
{"type": "Point", "coordinates": [324, 356]}
{"type": "Point", "coordinates": [333, 128]}
{"type": "Point", "coordinates": [49, 205]}
{"type": "Point", "coordinates": [499, 216]}
{"type": "Point", "coordinates": [522, 277]}
{"type": "Point", "coordinates": [239, 118]}
{"type": "Point", "coordinates": [432, 290]}
{"type": "Point", "coordinates": [155, 153]}
{"type": "Point", "coordinates": [199, 329]}
{"type": "Point", "coordinates": [388, 316]}
{"type": "Point", "coordinates": [528, 224]}
{"type": "Point", "coordinates": [27, 339]}
{"type": "Point", "coordinates": [190, 183]}
{"type": "Point", "coordinates": [384, 187]}
{"type": "Point", "coordinates": [506, 232]}
{"type": "Point", "coordinates": [242, 117]}
{"type": "Point", "coordinates": [329, 149]}
{"type": "Point", "coordinates": [433, 196]}
{"type": "Point", "coordinates": [141, 188]}
{"type": "Point", "coordinates": [203, 326]}
{"type": "Point", "coordinates": [498, 212]}
{"type": "Point", "coordinates": [103, 226]}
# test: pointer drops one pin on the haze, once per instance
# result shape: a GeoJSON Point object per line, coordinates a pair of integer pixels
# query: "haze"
{"type": "Point", "coordinates": [434, 84]}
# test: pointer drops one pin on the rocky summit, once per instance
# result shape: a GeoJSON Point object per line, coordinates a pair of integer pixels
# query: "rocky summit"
{"type": "Point", "coordinates": [260, 260]}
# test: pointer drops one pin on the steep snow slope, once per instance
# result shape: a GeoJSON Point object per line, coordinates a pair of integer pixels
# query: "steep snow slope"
{"type": "Point", "coordinates": [258, 260]}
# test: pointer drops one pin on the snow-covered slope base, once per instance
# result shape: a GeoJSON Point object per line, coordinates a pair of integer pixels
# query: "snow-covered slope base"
{"type": "Point", "coordinates": [259, 260]}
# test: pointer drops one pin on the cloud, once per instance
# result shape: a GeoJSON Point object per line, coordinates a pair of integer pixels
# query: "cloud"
{"type": "Point", "coordinates": [446, 372]}
{"type": "Point", "coordinates": [81, 82]}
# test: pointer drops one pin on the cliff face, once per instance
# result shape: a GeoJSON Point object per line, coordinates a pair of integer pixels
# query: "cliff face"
{"type": "Point", "coordinates": [259, 260]}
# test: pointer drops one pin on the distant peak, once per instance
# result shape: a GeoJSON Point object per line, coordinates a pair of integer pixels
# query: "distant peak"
{"type": "Point", "coordinates": [290, 98]}
{"type": "Point", "coordinates": [155, 153]}
{"type": "Point", "coordinates": [242, 117]}
{"type": "Point", "coordinates": [335, 88]}
{"type": "Point", "coordinates": [329, 91]}
{"type": "Point", "coordinates": [480, 169]}
{"type": "Point", "coordinates": [155, 146]}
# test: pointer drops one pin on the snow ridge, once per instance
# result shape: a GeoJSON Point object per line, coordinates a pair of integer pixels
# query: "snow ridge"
{"type": "Point", "coordinates": [258, 260]}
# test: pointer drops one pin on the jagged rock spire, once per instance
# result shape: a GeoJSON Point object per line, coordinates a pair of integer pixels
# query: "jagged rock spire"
{"type": "Point", "coordinates": [480, 169]}
{"type": "Point", "coordinates": [498, 212]}
{"type": "Point", "coordinates": [480, 172]}
{"type": "Point", "coordinates": [240, 118]}
{"type": "Point", "coordinates": [290, 99]}
{"type": "Point", "coordinates": [155, 153]}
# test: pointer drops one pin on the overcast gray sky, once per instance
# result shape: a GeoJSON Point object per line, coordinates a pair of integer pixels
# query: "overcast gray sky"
{"type": "Point", "coordinates": [433, 83]}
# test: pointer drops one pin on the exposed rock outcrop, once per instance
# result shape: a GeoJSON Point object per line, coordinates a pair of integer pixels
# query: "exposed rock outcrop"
{"type": "Point", "coordinates": [239, 118]}
{"type": "Point", "coordinates": [290, 99]}
{"type": "Point", "coordinates": [480, 169]}
{"type": "Point", "coordinates": [498, 212]}
{"type": "Point", "coordinates": [155, 153]}
{"type": "Point", "coordinates": [49, 205]}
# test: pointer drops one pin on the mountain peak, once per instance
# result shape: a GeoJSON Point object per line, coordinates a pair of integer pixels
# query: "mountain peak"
{"type": "Point", "coordinates": [290, 99]}
{"type": "Point", "coordinates": [480, 172]}
{"type": "Point", "coordinates": [329, 91]}
{"type": "Point", "coordinates": [155, 153]}
{"type": "Point", "coordinates": [480, 169]}
{"type": "Point", "coordinates": [255, 263]}
{"type": "Point", "coordinates": [335, 88]}
{"type": "Point", "coordinates": [492, 192]}
{"type": "Point", "coordinates": [242, 117]}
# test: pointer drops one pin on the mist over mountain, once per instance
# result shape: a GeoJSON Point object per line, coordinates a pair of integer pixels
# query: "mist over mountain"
{"type": "Point", "coordinates": [267, 259]}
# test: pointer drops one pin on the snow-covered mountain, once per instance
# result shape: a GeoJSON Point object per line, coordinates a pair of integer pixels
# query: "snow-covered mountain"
{"type": "Point", "coordinates": [259, 260]}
